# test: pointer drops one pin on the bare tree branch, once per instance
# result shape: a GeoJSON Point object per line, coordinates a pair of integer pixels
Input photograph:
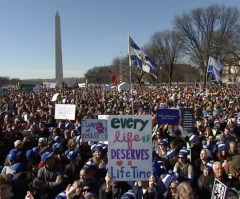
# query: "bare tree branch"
{"type": "Point", "coordinates": [168, 47]}
{"type": "Point", "coordinates": [202, 27]}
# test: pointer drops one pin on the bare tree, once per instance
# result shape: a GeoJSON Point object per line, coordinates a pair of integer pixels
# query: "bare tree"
{"type": "Point", "coordinates": [205, 30]}
{"type": "Point", "coordinates": [168, 47]}
{"type": "Point", "coordinates": [4, 81]}
{"type": "Point", "coordinates": [98, 75]}
{"type": "Point", "coordinates": [137, 74]}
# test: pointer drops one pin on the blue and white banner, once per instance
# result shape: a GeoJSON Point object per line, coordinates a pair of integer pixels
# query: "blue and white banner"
{"type": "Point", "coordinates": [140, 59]}
{"type": "Point", "coordinates": [215, 70]}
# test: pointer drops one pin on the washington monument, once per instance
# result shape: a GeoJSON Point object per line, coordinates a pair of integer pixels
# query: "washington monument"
{"type": "Point", "coordinates": [58, 50]}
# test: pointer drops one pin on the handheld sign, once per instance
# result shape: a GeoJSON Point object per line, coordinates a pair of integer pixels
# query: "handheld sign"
{"type": "Point", "coordinates": [187, 120]}
{"type": "Point", "coordinates": [167, 116]}
{"type": "Point", "coordinates": [65, 111]}
{"type": "Point", "coordinates": [219, 190]}
{"type": "Point", "coordinates": [94, 130]}
{"type": "Point", "coordinates": [130, 147]}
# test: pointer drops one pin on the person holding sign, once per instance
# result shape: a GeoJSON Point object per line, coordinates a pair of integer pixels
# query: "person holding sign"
{"type": "Point", "coordinates": [218, 174]}
{"type": "Point", "coordinates": [148, 189]}
{"type": "Point", "coordinates": [113, 189]}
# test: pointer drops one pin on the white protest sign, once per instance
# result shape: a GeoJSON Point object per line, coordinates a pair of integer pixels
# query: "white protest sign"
{"type": "Point", "coordinates": [103, 117]}
{"type": "Point", "coordinates": [219, 190]}
{"type": "Point", "coordinates": [49, 85]}
{"type": "Point", "coordinates": [94, 130]}
{"type": "Point", "coordinates": [54, 97]}
{"type": "Point", "coordinates": [130, 147]}
{"type": "Point", "coordinates": [52, 85]}
{"type": "Point", "coordinates": [65, 111]}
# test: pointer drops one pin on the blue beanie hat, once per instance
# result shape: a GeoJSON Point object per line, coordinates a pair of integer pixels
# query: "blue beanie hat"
{"type": "Point", "coordinates": [208, 166]}
{"type": "Point", "coordinates": [183, 152]}
{"type": "Point", "coordinates": [193, 139]}
{"type": "Point", "coordinates": [222, 147]}
{"type": "Point", "coordinates": [171, 154]}
{"type": "Point", "coordinates": [128, 195]}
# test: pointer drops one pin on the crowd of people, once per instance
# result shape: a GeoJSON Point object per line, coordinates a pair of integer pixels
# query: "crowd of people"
{"type": "Point", "coordinates": [45, 158]}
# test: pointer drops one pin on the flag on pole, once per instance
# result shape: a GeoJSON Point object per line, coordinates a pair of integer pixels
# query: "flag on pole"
{"type": "Point", "coordinates": [215, 70]}
{"type": "Point", "coordinates": [113, 77]}
{"type": "Point", "coordinates": [140, 59]}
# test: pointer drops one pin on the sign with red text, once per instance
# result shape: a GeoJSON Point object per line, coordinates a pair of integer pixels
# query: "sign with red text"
{"type": "Point", "coordinates": [129, 147]}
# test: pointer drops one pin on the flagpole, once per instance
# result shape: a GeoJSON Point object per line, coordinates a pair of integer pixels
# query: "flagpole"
{"type": "Point", "coordinates": [130, 65]}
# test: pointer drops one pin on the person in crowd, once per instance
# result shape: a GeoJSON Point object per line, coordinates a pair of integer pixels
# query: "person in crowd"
{"type": "Point", "coordinates": [6, 188]}
{"type": "Point", "coordinates": [202, 189]}
{"type": "Point", "coordinates": [112, 189]}
{"type": "Point", "coordinates": [205, 157]}
{"type": "Point", "coordinates": [232, 150]}
{"type": "Point", "coordinates": [52, 174]}
{"type": "Point", "coordinates": [72, 170]}
{"type": "Point", "coordinates": [184, 191]}
{"type": "Point", "coordinates": [32, 143]}
{"type": "Point", "coordinates": [162, 150]}
{"type": "Point", "coordinates": [222, 154]}
{"type": "Point", "coordinates": [195, 147]}
{"type": "Point", "coordinates": [183, 167]}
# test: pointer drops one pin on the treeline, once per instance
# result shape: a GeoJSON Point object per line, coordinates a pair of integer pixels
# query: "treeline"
{"type": "Point", "coordinates": [182, 53]}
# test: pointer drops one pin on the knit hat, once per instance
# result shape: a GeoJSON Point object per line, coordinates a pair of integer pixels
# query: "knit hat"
{"type": "Point", "coordinates": [105, 149]}
{"type": "Point", "coordinates": [57, 138]}
{"type": "Point", "coordinates": [56, 146]}
{"type": "Point", "coordinates": [171, 153]}
{"type": "Point", "coordinates": [206, 144]}
{"type": "Point", "coordinates": [98, 147]}
{"type": "Point", "coordinates": [167, 180]}
{"type": "Point", "coordinates": [163, 142]}
{"type": "Point", "coordinates": [193, 139]}
{"type": "Point", "coordinates": [67, 125]}
{"type": "Point", "coordinates": [93, 148]}
{"type": "Point", "coordinates": [90, 164]}
{"type": "Point", "coordinates": [46, 155]}
{"type": "Point", "coordinates": [222, 147]}
{"type": "Point", "coordinates": [208, 166]}
{"type": "Point", "coordinates": [66, 153]}
{"type": "Point", "coordinates": [30, 153]}
{"type": "Point", "coordinates": [238, 122]}
{"type": "Point", "coordinates": [35, 149]}
{"type": "Point", "coordinates": [15, 151]}
{"type": "Point", "coordinates": [88, 195]}
{"type": "Point", "coordinates": [128, 195]}
{"type": "Point", "coordinates": [72, 155]}
{"type": "Point", "coordinates": [11, 157]}
{"type": "Point", "coordinates": [42, 140]}
{"type": "Point", "coordinates": [216, 122]}
{"type": "Point", "coordinates": [158, 168]}
{"type": "Point", "coordinates": [183, 152]}
{"type": "Point", "coordinates": [17, 167]}
{"type": "Point", "coordinates": [17, 143]}
{"type": "Point", "coordinates": [77, 138]}
{"type": "Point", "coordinates": [78, 128]}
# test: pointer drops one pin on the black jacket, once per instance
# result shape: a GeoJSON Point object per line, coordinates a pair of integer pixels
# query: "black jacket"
{"type": "Point", "coordinates": [122, 187]}
{"type": "Point", "coordinates": [149, 194]}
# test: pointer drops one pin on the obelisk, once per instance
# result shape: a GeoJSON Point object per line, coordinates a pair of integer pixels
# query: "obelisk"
{"type": "Point", "coordinates": [58, 50]}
